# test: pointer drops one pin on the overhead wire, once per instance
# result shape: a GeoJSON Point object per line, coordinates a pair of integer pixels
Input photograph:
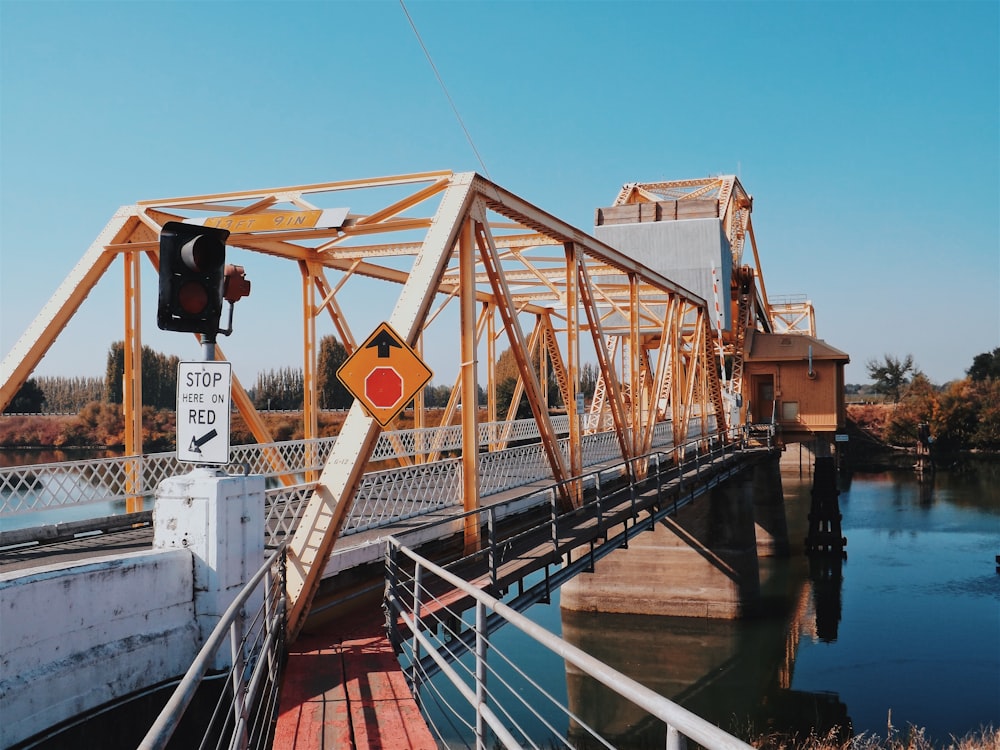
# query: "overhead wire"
{"type": "Point", "coordinates": [437, 74]}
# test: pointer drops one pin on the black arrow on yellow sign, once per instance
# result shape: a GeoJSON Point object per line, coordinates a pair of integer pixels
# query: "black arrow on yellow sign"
{"type": "Point", "coordinates": [383, 342]}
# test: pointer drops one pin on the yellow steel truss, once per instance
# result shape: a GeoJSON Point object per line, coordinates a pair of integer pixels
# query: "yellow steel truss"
{"type": "Point", "coordinates": [520, 278]}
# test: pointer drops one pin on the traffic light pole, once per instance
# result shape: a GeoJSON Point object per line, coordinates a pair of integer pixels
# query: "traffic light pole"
{"type": "Point", "coordinates": [207, 347]}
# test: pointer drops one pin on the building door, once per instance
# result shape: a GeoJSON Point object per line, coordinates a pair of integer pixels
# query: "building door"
{"type": "Point", "coordinates": [763, 390]}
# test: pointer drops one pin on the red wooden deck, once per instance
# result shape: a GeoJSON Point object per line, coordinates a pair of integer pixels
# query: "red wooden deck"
{"type": "Point", "coordinates": [343, 689]}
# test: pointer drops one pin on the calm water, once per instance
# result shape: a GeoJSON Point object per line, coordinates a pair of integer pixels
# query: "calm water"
{"type": "Point", "coordinates": [908, 633]}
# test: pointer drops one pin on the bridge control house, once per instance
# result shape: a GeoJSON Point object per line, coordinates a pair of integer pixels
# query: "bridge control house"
{"type": "Point", "coordinates": [777, 370]}
{"type": "Point", "coordinates": [796, 381]}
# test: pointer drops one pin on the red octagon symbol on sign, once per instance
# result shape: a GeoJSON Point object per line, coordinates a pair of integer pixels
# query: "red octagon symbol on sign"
{"type": "Point", "coordinates": [384, 387]}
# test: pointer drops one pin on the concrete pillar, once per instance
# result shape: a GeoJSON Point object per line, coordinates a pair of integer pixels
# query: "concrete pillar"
{"type": "Point", "coordinates": [220, 519]}
{"type": "Point", "coordinates": [701, 563]}
{"type": "Point", "coordinates": [770, 521]}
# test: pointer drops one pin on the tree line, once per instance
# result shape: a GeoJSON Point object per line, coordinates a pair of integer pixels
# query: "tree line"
{"type": "Point", "coordinates": [961, 415]}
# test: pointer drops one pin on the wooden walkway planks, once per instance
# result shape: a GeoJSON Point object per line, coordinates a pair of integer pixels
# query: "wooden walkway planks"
{"type": "Point", "coordinates": [343, 688]}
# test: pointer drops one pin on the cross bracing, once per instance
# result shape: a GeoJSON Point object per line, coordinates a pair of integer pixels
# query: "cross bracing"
{"type": "Point", "coordinates": [462, 260]}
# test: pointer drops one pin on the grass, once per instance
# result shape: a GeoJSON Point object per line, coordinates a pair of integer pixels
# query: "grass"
{"type": "Point", "coordinates": [912, 738]}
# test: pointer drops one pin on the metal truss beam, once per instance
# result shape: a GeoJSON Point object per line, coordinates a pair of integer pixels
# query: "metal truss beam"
{"type": "Point", "coordinates": [519, 276]}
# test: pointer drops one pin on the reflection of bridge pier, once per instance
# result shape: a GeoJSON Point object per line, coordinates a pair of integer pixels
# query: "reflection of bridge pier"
{"type": "Point", "coordinates": [701, 562]}
{"type": "Point", "coordinates": [733, 673]}
{"type": "Point", "coordinates": [701, 571]}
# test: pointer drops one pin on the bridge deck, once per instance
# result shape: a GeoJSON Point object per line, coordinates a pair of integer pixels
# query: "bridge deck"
{"type": "Point", "coordinates": [343, 686]}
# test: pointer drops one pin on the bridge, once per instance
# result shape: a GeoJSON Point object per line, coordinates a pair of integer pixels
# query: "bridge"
{"type": "Point", "coordinates": [684, 337]}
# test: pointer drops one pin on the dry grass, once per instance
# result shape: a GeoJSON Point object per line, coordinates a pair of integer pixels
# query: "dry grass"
{"type": "Point", "coordinates": [912, 738]}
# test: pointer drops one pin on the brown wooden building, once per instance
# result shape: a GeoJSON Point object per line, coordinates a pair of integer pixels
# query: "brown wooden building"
{"type": "Point", "coordinates": [799, 381]}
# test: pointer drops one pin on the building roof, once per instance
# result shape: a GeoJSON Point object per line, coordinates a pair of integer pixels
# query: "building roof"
{"type": "Point", "coordinates": [764, 347]}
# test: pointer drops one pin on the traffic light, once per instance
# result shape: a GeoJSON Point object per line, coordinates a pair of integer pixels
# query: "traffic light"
{"type": "Point", "coordinates": [192, 268]}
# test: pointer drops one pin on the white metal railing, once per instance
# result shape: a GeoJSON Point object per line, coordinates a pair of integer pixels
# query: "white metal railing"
{"type": "Point", "coordinates": [466, 663]}
{"type": "Point", "coordinates": [26, 489]}
{"type": "Point", "coordinates": [248, 703]}
{"type": "Point", "coordinates": [382, 497]}
{"type": "Point", "coordinates": [32, 488]}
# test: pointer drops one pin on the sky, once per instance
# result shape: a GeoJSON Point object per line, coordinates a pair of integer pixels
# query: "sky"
{"type": "Point", "coordinates": [867, 132]}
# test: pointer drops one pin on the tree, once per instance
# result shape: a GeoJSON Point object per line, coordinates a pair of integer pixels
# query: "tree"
{"type": "Point", "coordinates": [29, 399]}
{"type": "Point", "coordinates": [589, 375]}
{"type": "Point", "coordinates": [67, 395]}
{"type": "Point", "coordinates": [987, 429]}
{"type": "Point", "coordinates": [436, 396]}
{"type": "Point", "coordinates": [159, 377]}
{"type": "Point", "coordinates": [507, 374]}
{"type": "Point", "coordinates": [332, 393]}
{"type": "Point", "coordinates": [985, 366]}
{"type": "Point", "coordinates": [890, 375]}
{"type": "Point", "coordinates": [279, 389]}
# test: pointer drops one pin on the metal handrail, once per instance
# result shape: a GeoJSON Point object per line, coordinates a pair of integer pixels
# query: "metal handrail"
{"type": "Point", "coordinates": [407, 602]}
{"type": "Point", "coordinates": [680, 722]}
{"type": "Point", "coordinates": [256, 663]}
{"type": "Point", "coordinates": [38, 487]}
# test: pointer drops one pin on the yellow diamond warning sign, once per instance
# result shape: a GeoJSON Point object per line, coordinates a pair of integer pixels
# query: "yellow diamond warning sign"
{"type": "Point", "coordinates": [384, 374]}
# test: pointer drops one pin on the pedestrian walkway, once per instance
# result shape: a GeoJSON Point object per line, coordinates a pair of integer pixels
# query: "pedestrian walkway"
{"type": "Point", "coordinates": [343, 688]}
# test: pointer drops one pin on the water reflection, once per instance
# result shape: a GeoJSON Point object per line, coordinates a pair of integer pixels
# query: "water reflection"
{"type": "Point", "coordinates": [827, 578]}
{"type": "Point", "coordinates": [22, 457]}
{"type": "Point", "coordinates": [736, 674]}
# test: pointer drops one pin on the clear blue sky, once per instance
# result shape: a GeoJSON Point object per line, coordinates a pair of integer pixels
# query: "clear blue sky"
{"type": "Point", "coordinates": [867, 132]}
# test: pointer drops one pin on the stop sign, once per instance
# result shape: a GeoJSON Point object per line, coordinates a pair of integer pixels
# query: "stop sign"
{"type": "Point", "coordinates": [384, 387]}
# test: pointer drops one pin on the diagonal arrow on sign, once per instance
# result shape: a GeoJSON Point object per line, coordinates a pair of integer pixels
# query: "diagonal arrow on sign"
{"type": "Point", "coordinates": [196, 443]}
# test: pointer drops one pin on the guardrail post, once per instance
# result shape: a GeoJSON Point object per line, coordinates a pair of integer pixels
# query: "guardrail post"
{"type": "Point", "coordinates": [491, 540]}
{"type": "Point", "coordinates": [414, 674]}
{"type": "Point", "coordinates": [392, 594]}
{"type": "Point", "coordinates": [554, 520]}
{"type": "Point", "coordinates": [659, 489]}
{"type": "Point", "coordinates": [675, 740]}
{"type": "Point", "coordinates": [600, 508]}
{"type": "Point", "coordinates": [236, 629]}
{"type": "Point", "coordinates": [633, 488]}
{"type": "Point", "coordinates": [481, 695]}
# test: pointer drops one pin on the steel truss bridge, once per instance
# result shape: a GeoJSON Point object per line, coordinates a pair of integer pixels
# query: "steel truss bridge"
{"type": "Point", "coordinates": [466, 262]}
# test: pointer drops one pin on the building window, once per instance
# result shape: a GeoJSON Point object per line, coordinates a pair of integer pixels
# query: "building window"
{"type": "Point", "coordinates": [789, 410]}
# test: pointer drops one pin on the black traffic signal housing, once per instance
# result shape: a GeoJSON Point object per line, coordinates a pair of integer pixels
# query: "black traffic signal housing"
{"type": "Point", "coordinates": [192, 277]}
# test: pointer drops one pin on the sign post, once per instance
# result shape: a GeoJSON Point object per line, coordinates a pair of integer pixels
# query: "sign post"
{"type": "Point", "coordinates": [203, 409]}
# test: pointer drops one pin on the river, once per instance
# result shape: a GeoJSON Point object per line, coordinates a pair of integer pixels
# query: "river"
{"type": "Point", "coordinates": [906, 631]}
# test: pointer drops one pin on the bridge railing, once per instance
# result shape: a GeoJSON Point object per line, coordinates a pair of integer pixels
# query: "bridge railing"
{"type": "Point", "coordinates": [37, 487]}
{"type": "Point", "coordinates": [382, 497]}
{"type": "Point", "coordinates": [469, 660]}
{"type": "Point", "coordinates": [248, 697]}
{"type": "Point", "coordinates": [428, 607]}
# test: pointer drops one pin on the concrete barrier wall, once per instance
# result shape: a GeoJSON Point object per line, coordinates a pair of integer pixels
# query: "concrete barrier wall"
{"type": "Point", "coordinates": [73, 638]}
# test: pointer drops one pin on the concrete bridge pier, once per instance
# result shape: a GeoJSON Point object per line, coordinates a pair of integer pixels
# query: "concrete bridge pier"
{"type": "Point", "coordinates": [770, 521]}
{"type": "Point", "coordinates": [703, 562]}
